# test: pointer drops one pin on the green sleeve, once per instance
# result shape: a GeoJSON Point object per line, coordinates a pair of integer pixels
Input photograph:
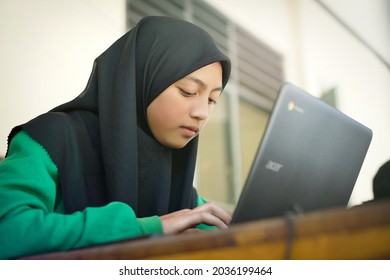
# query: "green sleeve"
{"type": "Point", "coordinates": [200, 200]}
{"type": "Point", "coordinates": [29, 221]}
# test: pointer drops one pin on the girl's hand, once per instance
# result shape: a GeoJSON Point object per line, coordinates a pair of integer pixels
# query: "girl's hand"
{"type": "Point", "coordinates": [183, 220]}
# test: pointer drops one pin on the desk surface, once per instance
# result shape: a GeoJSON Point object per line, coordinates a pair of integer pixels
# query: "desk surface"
{"type": "Point", "coordinates": [362, 232]}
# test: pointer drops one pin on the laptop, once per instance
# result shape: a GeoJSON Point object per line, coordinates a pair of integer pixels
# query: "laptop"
{"type": "Point", "coordinates": [309, 159]}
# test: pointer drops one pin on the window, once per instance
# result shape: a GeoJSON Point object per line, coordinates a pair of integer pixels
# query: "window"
{"type": "Point", "coordinates": [230, 140]}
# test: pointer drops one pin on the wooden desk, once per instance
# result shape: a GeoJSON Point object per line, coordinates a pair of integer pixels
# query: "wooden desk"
{"type": "Point", "coordinates": [362, 232]}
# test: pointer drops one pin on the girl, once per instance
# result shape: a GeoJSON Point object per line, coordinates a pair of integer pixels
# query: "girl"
{"type": "Point", "coordinates": [118, 161]}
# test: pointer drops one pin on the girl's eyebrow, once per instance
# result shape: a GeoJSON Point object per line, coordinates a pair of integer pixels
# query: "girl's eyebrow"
{"type": "Point", "coordinates": [201, 83]}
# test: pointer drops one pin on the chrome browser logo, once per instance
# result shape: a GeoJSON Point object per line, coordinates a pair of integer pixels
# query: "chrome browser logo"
{"type": "Point", "coordinates": [291, 105]}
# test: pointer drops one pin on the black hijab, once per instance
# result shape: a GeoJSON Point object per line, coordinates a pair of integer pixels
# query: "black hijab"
{"type": "Point", "coordinates": [101, 142]}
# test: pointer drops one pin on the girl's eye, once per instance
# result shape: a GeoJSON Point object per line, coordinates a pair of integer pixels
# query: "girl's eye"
{"type": "Point", "coordinates": [212, 101]}
{"type": "Point", "coordinates": [186, 93]}
{"type": "Point", "coordinates": [190, 94]}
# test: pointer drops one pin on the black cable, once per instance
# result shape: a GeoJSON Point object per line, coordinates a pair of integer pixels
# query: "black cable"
{"type": "Point", "coordinates": [290, 216]}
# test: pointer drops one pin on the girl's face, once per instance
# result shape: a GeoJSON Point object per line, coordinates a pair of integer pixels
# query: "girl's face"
{"type": "Point", "coordinates": [181, 111]}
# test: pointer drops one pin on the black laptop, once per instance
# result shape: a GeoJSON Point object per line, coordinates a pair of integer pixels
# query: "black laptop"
{"type": "Point", "coordinates": [309, 159]}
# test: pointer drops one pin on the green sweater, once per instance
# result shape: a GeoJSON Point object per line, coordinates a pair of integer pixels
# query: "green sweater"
{"type": "Point", "coordinates": [32, 219]}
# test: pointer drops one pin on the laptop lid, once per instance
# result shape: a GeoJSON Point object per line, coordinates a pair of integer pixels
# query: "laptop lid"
{"type": "Point", "coordinates": [309, 158]}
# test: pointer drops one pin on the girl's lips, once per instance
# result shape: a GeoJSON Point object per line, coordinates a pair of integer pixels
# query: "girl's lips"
{"type": "Point", "coordinates": [190, 131]}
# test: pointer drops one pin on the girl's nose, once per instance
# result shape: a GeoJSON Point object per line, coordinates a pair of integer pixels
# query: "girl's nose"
{"type": "Point", "coordinates": [201, 108]}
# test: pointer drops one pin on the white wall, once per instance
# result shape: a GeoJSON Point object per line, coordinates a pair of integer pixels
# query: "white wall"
{"type": "Point", "coordinates": [320, 53]}
{"type": "Point", "coordinates": [47, 51]}
{"type": "Point", "coordinates": [369, 19]}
